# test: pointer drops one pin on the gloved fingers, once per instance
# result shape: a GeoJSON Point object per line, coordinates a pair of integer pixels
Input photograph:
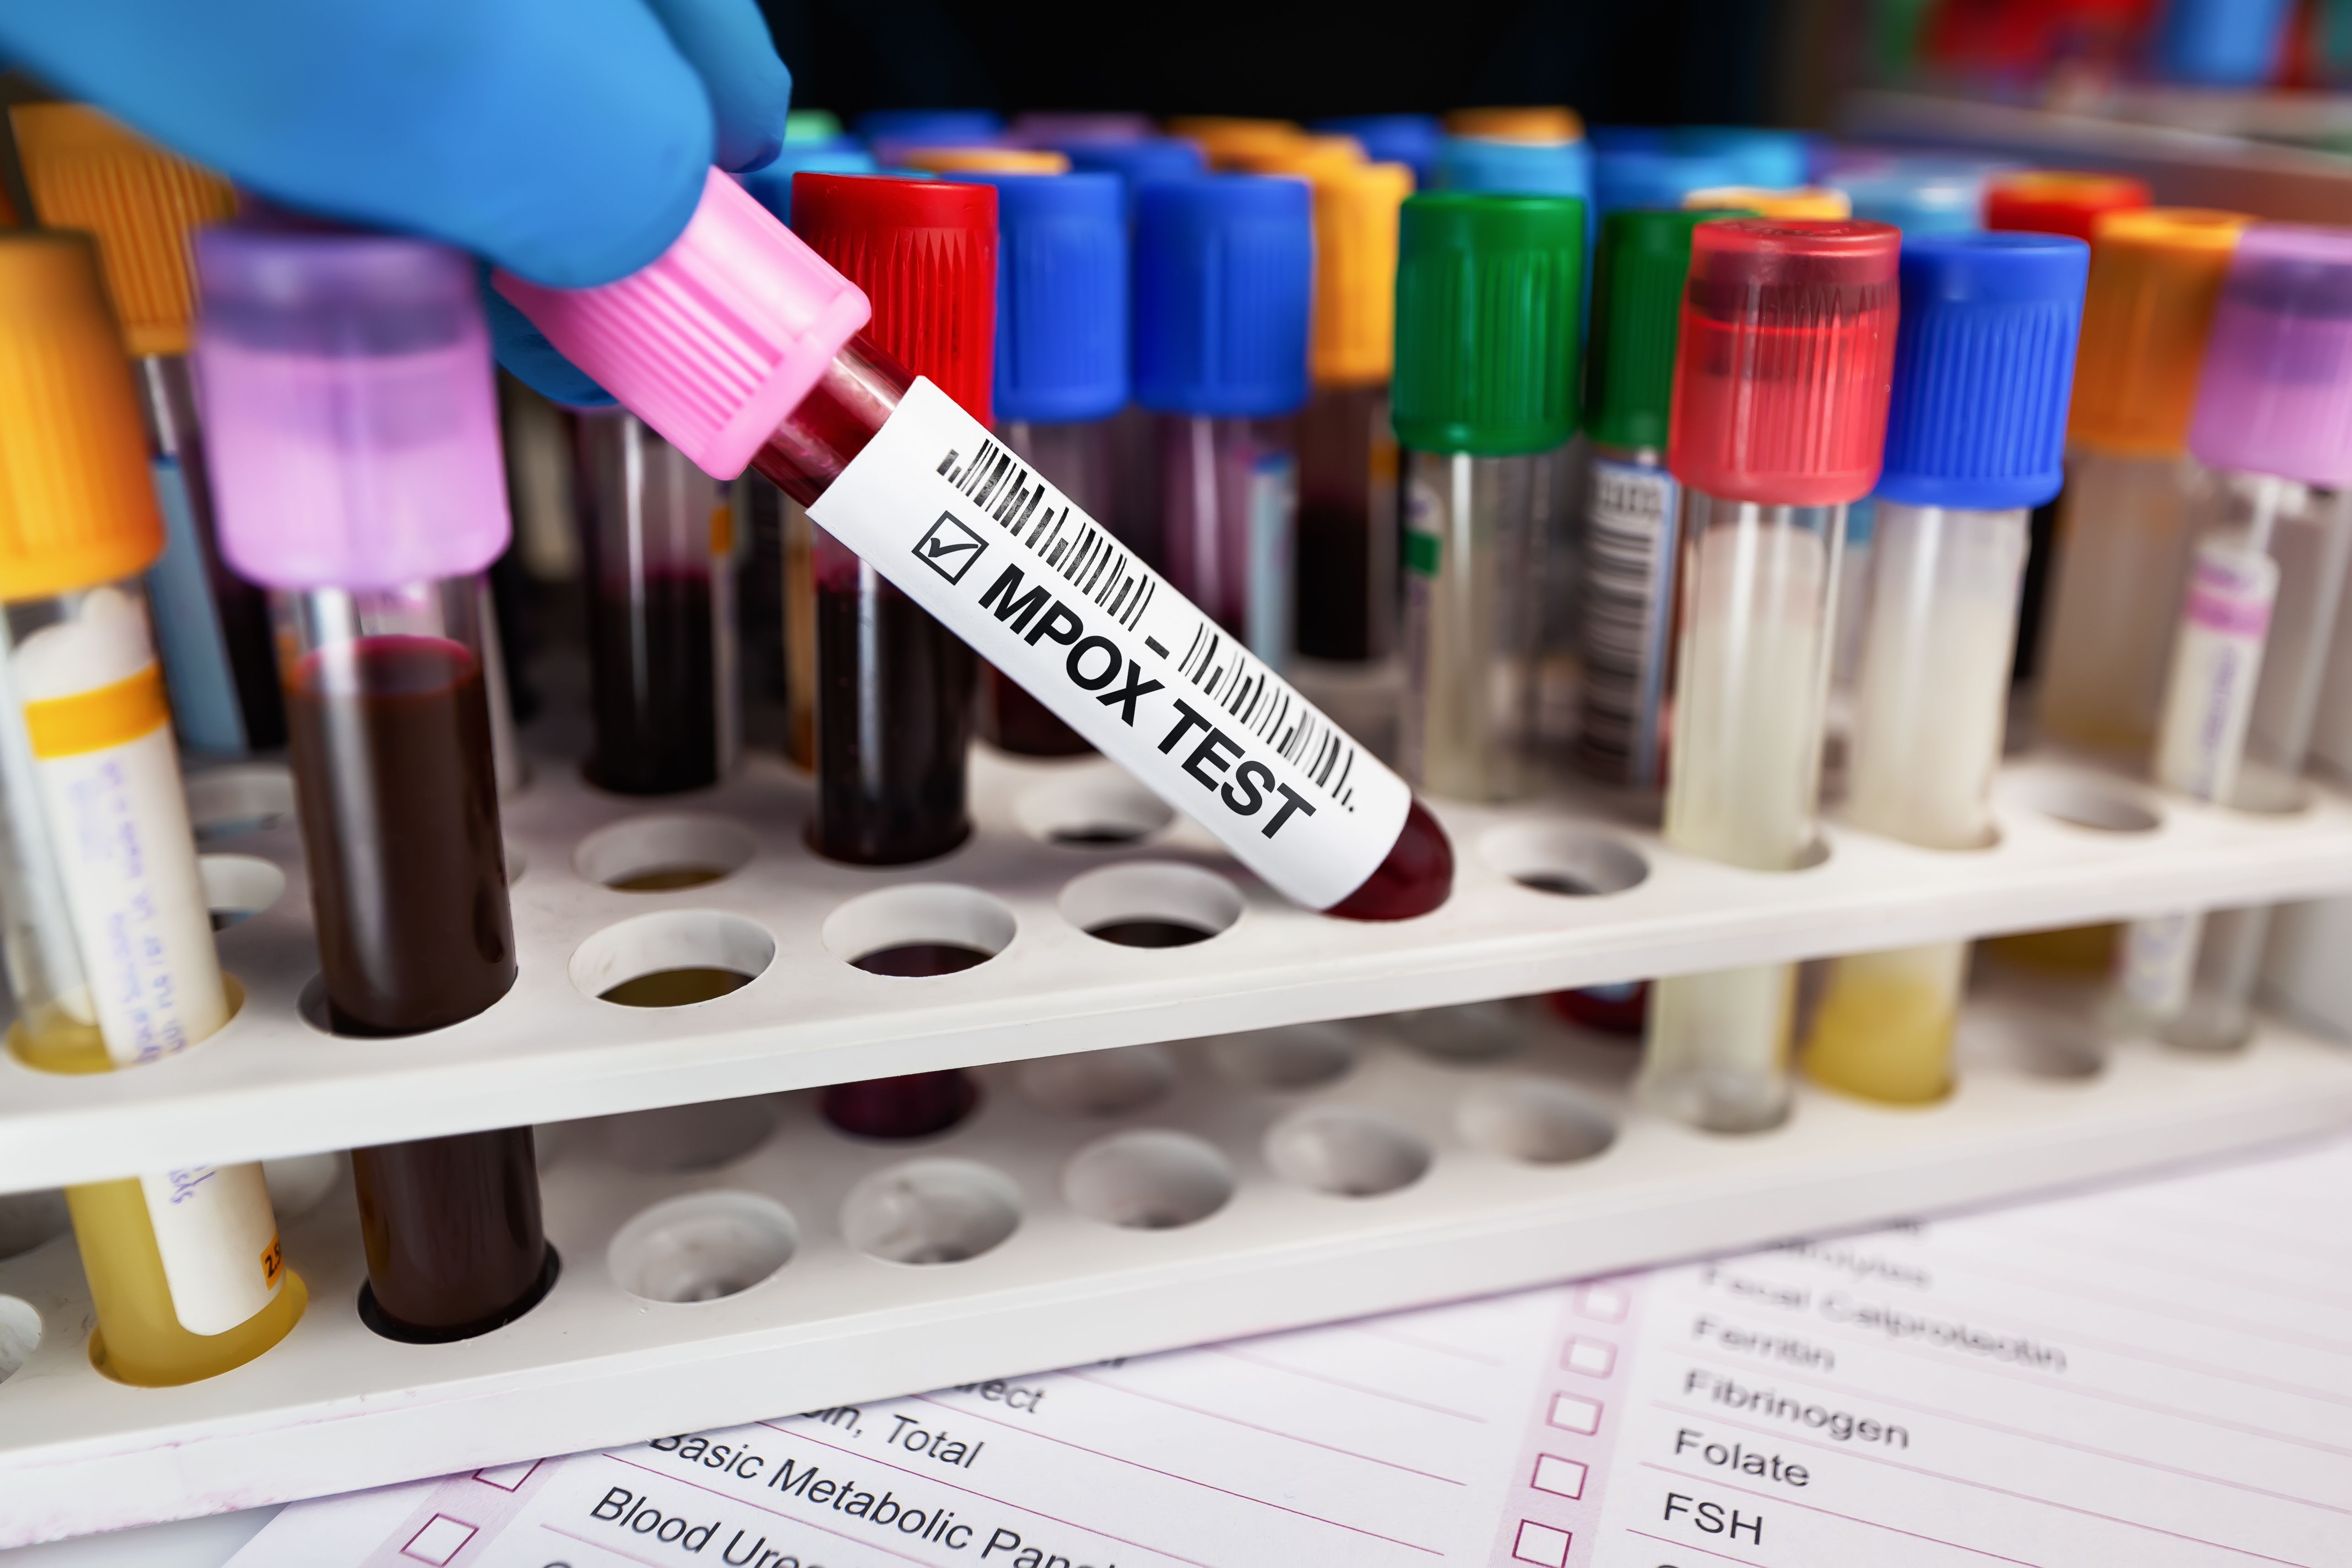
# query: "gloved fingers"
{"type": "Point", "coordinates": [727, 42]}
{"type": "Point", "coordinates": [566, 140]}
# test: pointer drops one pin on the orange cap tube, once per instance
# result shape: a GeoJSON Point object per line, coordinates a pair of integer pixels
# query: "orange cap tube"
{"type": "Point", "coordinates": [2156, 277]}
{"type": "Point", "coordinates": [1352, 342]}
{"type": "Point", "coordinates": [984, 161]}
{"type": "Point", "coordinates": [1524, 122]}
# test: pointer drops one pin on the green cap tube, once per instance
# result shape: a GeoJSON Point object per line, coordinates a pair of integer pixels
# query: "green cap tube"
{"type": "Point", "coordinates": [1487, 297]}
{"type": "Point", "coordinates": [1638, 273]}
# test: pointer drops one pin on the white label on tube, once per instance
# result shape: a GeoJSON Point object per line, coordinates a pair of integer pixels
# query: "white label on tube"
{"type": "Point", "coordinates": [101, 740]}
{"type": "Point", "coordinates": [1629, 566]}
{"type": "Point", "coordinates": [1046, 593]}
{"type": "Point", "coordinates": [2217, 659]}
{"type": "Point", "coordinates": [2159, 959]}
{"type": "Point", "coordinates": [1272, 520]}
{"type": "Point", "coordinates": [218, 1240]}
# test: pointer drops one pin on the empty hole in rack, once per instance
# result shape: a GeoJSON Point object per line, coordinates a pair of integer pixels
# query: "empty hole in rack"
{"type": "Point", "coordinates": [702, 1246]}
{"type": "Point", "coordinates": [1100, 1083]}
{"type": "Point", "coordinates": [1563, 859]}
{"type": "Point", "coordinates": [1534, 1120]}
{"type": "Point", "coordinates": [28, 1219]}
{"type": "Point", "coordinates": [1480, 1032]}
{"type": "Point", "coordinates": [663, 853]}
{"type": "Point", "coordinates": [920, 929]}
{"type": "Point", "coordinates": [685, 1137]}
{"type": "Point", "coordinates": [677, 957]}
{"type": "Point", "coordinates": [1297, 1056]}
{"type": "Point", "coordinates": [20, 1335]}
{"type": "Point", "coordinates": [226, 802]}
{"type": "Point", "coordinates": [931, 1210]}
{"type": "Point", "coordinates": [1097, 808]}
{"type": "Point", "coordinates": [1147, 1180]}
{"type": "Point", "coordinates": [238, 887]}
{"type": "Point", "coordinates": [2100, 804]}
{"type": "Point", "coordinates": [1151, 904]}
{"type": "Point", "coordinates": [1344, 1151]}
{"type": "Point", "coordinates": [301, 1182]}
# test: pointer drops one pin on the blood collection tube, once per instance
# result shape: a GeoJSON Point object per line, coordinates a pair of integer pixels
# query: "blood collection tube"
{"type": "Point", "coordinates": [1408, 139]}
{"type": "Point", "coordinates": [983, 160]}
{"type": "Point", "coordinates": [2123, 535]}
{"type": "Point", "coordinates": [1651, 177]}
{"type": "Point", "coordinates": [1976, 434]}
{"type": "Point", "coordinates": [1633, 506]}
{"type": "Point", "coordinates": [1921, 196]}
{"type": "Point", "coordinates": [1346, 576]}
{"type": "Point", "coordinates": [1775, 160]}
{"type": "Point", "coordinates": [1061, 376]}
{"type": "Point", "coordinates": [1516, 122]}
{"type": "Point", "coordinates": [1787, 345]}
{"type": "Point", "coordinates": [767, 368]}
{"type": "Point", "coordinates": [109, 944]}
{"type": "Point", "coordinates": [1223, 271]}
{"type": "Point", "coordinates": [1487, 289]}
{"type": "Point", "coordinates": [657, 541]}
{"type": "Point", "coordinates": [2273, 420]}
{"type": "Point", "coordinates": [86, 171]}
{"type": "Point", "coordinates": [355, 456]}
{"type": "Point", "coordinates": [895, 688]}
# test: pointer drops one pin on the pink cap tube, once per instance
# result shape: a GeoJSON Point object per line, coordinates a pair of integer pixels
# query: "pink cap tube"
{"type": "Point", "coordinates": [2275, 397]}
{"type": "Point", "coordinates": [717, 338]}
{"type": "Point", "coordinates": [350, 416]}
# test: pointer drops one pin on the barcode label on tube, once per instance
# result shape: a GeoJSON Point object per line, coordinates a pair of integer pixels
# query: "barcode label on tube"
{"type": "Point", "coordinates": [1629, 554]}
{"type": "Point", "coordinates": [1042, 591]}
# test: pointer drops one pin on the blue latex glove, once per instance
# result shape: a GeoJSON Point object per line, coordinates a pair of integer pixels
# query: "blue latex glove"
{"type": "Point", "coordinates": [564, 139]}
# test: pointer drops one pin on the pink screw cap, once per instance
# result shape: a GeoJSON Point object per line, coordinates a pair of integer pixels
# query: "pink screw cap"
{"type": "Point", "coordinates": [717, 338]}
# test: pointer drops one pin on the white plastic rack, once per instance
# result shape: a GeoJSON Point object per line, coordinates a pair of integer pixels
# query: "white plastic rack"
{"type": "Point", "coordinates": [2074, 846]}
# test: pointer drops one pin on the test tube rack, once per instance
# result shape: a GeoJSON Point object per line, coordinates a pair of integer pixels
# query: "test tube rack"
{"type": "Point", "coordinates": [1114, 1192]}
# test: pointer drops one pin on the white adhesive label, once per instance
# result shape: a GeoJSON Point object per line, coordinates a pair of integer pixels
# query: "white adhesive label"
{"type": "Point", "coordinates": [1628, 585]}
{"type": "Point", "coordinates": [2160, 960]}
{"type": "Point", "coordinates": [1046, 593]}
{"type": "Point", "coordinates": [110, 780]}
{"type": "Point", "coordinates": [1273, 521]}
{"type": "Point", "coordinates": [219, 1239]}
{"type": "Point", "coordinates": [2217, 660]}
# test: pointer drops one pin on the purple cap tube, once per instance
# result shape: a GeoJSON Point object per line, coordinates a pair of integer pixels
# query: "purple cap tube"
{"type": "Point", "coordinates": [2275, 397]}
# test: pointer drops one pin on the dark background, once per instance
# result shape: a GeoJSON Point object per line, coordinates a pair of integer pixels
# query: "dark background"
{"type": "Point", "coordinates": [1616, 61]}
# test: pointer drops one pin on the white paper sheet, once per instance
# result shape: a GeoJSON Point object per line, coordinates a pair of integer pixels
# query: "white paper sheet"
{"type": "Point", "coordinates": [2157, 1376]}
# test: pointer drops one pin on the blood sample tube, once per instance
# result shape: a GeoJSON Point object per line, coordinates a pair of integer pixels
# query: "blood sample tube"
{"type": "Point", "coordinates": [1653, 177]}
{"type": "Point", "coordinates": [895, 688]}
{"type": "Point", "coordinates": [1775, 160]}
{"type": "Point", "coordinates": [1516, 122]}
{"type": "Point", "coordinates": [1976, 436]}
{"type": "Point", "coordinates": [1346, 576]}
{"type": "Point", "coordinates": [1137, 164]}
{"type": "Point", "coordinates": [1921, 196]}
{"type": "Point", "coordinates": [355, 456]}
{"type": "Point", "coordinates": [657, 554]}
{"type": "Point", "coordinates": [1061, 375]}
{"type": "Point", "coordinates": [1487, 289]}
{"type": "Point", "coordinates": [109, 944]}
{"type": "Point", "coordinates": [1223, 271]}
{"type": "Point", "coordinates": [1633, 507]}
{"type": "Point", "coordinates": [87, 171]}
{"type": "Point", "coordinates": [1408, 139]}
{"type": "Point", "coordinates": [1787, 345]}
{"type": "Point", "coordinates": [2273, 420]}
{"type": "Point", "coordinates": [2122, 535]}
{"type": "Point", "coordinates": [767, 368]}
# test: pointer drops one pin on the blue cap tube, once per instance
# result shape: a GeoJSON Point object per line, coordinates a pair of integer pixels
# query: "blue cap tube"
{"type": "Point", "coordinates": [1409, 138]}
{"type": "Point", "coordinates": [1919, 198]}
{"type": "Point", "coordinates": [1061, 297]}
{"type": "Point", "coordinates": [1515, 168]}
{"type": "Point", "coordinates": [1137, 164]}
{"type": "Point", "coordinates": [938, 127]}
{"type": "Point", "coordinates": [771, 187]}
{"type": "Point", "coordinates": [2221, 43]}
{"type": "Point", "coordinates": [1223, 268]}
{"type": "Point", "coordinates": [1776, 160]}
{"type": "Point", "coordinates": [1655, 177]}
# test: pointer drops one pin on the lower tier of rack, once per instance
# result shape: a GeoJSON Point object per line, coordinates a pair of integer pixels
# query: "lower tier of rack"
{"type": "Point", "coordinates": [734, 1260]}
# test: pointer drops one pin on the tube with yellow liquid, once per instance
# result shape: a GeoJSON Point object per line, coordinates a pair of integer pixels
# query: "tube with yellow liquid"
{"type": "Point", "coordinates": [108, 943]}
{"type": "Point", "coordinates": [1974, 434]}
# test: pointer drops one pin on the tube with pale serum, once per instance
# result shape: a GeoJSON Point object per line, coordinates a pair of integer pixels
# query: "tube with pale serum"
{"type": "Point", "coordinates": [741, 347]}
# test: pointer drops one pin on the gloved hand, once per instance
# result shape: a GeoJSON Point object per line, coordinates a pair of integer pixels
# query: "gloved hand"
{"type": "Point", "coordinates": [564, 139]}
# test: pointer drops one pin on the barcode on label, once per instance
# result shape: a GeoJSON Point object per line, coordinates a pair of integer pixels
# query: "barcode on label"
{"type": "Point", "coordinates": [1086, 557]}
{"type": "Point", "coordinates": [1084, 554]}
{"type": "Point", "coordinates": [1628, 592]}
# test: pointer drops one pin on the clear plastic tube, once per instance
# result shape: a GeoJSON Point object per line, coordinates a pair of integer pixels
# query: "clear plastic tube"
{"type": "Point", "coordinates": [853, 399]}
{"type": "Point", "coordinates": [1752, 670]}
{"type": "Point", "coordinates": [2122, 557]}
{"type": "Point", "coordinates": [657, 550]}
{"type": "Point", "coordinates": [1930, 699]}
{"type": "Point", "coordinates": [1476, 545]}
{"type": "Point", "coordinates": [398, 801]}
{"type": "Point", "coordinates": [110, 953]}
{"type": "Point", "coordinates": [1347, 587]}
{"type": "Point", "coordinates": [1229, 513]}
{"type": "Point", "coordinates": [2264, 588]}
{"type": "Point", "coordinates": [1076, 459]}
